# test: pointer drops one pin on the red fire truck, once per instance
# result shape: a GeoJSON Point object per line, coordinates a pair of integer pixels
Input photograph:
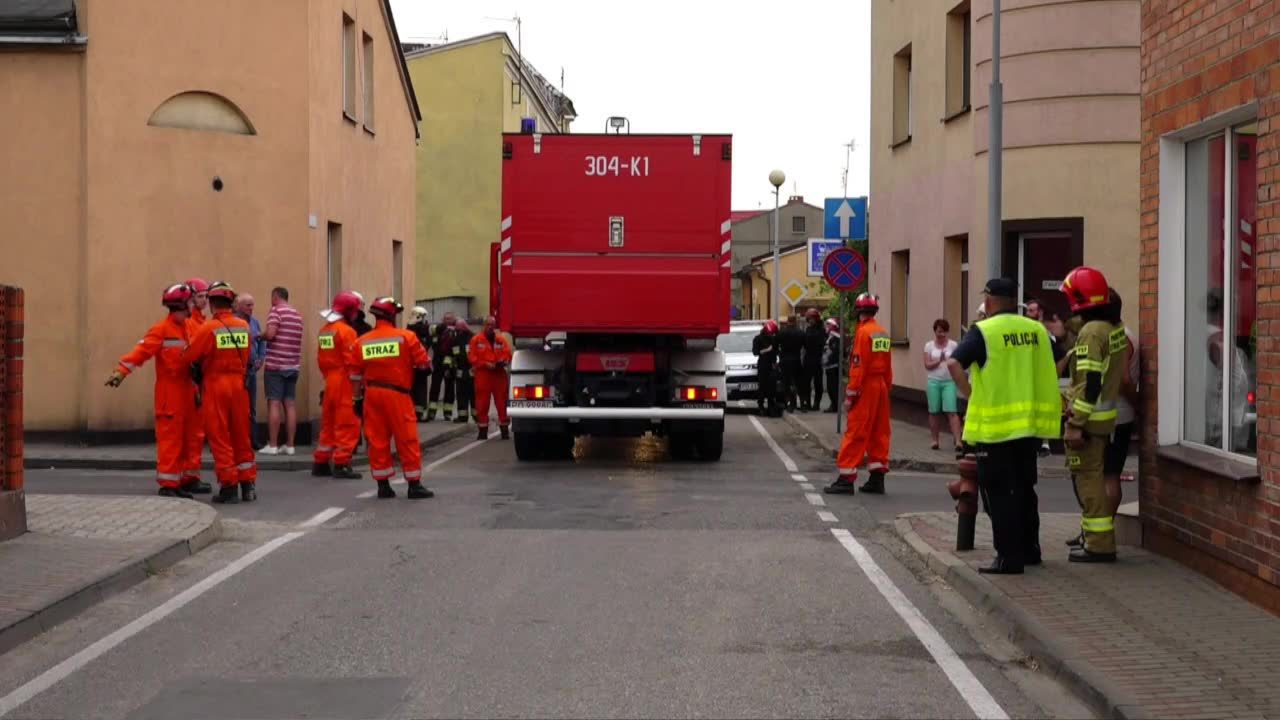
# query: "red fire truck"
{"type": "Point", "coordinates": [612, 275]}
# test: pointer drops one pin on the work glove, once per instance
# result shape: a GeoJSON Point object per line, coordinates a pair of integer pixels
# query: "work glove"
{"type": "Point", "coordinates": [116, 378]}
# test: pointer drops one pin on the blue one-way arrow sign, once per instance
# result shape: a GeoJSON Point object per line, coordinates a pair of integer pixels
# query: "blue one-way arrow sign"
{"type": "Point", "coordinates": [846, 219]}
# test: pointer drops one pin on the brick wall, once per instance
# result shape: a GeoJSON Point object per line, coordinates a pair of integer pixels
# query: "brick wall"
{"type": "Point", "coordinates": [1201, 58]}
{"type": "Point", "coordinates": [12, 497]}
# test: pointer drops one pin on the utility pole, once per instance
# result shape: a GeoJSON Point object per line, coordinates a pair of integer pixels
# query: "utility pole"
{"type": "Point", "coordinates": [995, 152]}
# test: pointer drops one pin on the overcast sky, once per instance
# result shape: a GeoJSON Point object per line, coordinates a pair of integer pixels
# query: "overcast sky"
{"type": "Point", "coordinates": [790, 80]}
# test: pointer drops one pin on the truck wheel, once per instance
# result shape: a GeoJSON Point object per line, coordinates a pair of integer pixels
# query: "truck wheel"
{"type": "Point", "coordinates": [711, 445]}
{"type": "Point", "coordinates": [528, 447]}
{"type": "Point", "coordinates": [681, 446]}
{"type": "Point", "coordinates": [560, 447]}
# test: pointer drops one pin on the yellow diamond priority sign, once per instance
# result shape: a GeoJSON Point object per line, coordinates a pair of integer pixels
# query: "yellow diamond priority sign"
{"type": "Point", "coordinates": [794, 292]}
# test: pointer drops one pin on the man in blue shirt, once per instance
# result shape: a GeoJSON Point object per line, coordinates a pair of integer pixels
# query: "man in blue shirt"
{"type": "Point", "coordinates": [257, 354]}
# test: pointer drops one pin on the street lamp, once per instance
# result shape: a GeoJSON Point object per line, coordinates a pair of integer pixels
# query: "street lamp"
{"type": "Point", "coordinates": [776, 178]}
{"type": "Point", "coordinates": [995, 152]}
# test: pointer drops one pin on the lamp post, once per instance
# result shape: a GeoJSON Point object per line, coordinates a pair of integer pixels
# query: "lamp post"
{"type": "Point", "coordinates": [776, 178]}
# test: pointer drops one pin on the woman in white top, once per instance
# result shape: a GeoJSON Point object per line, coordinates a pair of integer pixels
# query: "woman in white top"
{"type": "Point", "coordinates": [941, 390]}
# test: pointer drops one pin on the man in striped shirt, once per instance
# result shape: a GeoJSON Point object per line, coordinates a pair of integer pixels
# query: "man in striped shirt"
{"type": "Point", "coordinates": [283, 363]}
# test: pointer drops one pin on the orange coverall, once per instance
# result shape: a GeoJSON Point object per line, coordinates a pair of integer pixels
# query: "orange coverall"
{"type": "Point", "coordinates": [483, 353]}
{"type": "Point", "coordinates": [386, 356]}
{"type": "Point", "coordinates": [195, 319]}
{"type": "Point", "coordinates": [221, 346]}
{"type": "Point", "coordinates": [339, 426]}
{"type": "Point", "coordinates": [870, 377]}
{"type": "Point", "coordinates": [177, 419]}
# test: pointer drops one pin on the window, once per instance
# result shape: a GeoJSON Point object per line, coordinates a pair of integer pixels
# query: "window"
{"type": "Point", "coordinates": [368, 83]}
{"type": "Point", "coordinates": [333, 259]}
{"type": "Point", "coordinates": [900, 322]}
{"type": "Point", "coordinates": [348, 67]}
{"type": "Point", "coordinates": [797, 223]}
{"type": "Point", "coordinates": [955, 283]}
{"type": "Point", "coordinates": [1219, 309]}
{"type": "Point", "coordinates": [959, 47]}
{"type": "Point", "coordinates": [902, 96]}
{"type": "Point", "coordinates": [516, 95]}
{"type": "Point", "coordinates": [397, 270]}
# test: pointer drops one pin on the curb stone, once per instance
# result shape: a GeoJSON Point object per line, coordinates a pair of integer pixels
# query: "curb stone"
{"type": "Point", "coordinates": [161, 557]}
{"type": "Point", "coordinates": [1024, 631]}
{"type": "Point", "coordinates": [298, 462]}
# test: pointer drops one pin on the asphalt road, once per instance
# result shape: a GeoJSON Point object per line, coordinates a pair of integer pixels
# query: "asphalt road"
{"type": "Point", "coordinates": [622, 584]}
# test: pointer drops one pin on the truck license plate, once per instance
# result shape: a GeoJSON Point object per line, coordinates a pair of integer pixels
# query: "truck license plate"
{"type": "Point", "coordinates": [748, 387]}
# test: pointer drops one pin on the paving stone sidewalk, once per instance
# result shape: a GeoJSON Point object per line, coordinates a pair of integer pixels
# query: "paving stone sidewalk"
{"type": "Point", "coordinates": [142, 456]}
{"type": "Point", "coordinates": [1145, 637]}
{"type": "Point", "coordinates": [910, 446]}
{"type": "Point", "coordinates": [82, 549]}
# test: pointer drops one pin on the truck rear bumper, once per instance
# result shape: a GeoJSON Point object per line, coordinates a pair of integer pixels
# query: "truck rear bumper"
{"type": "Point", "coordinates": [656, 414]}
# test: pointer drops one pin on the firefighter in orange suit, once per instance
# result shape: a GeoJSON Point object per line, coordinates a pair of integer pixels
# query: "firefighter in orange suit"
{"type": "Point", "coordinates": [490, 353]}
{"type": "Point", "coordinates": [221, 348]}
{"type": "Point", "coordinates": [177, 417]}
{"type": "Point", "coordinates": [867, 401]}
{"type": "Point", "coordinates": [339, 426]}
{"type": "Point", "coordinates": [196, 317]}
{"type": "Point", "coordinates": [386, 357]}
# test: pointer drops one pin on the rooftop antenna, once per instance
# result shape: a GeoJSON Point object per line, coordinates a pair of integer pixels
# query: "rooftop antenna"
{"type": "Point", "coordinates": [848, 154]}
{"type": "Point", "coordinates": [561, 78]}
{"type": "Point", "coordinates": [519, 48]}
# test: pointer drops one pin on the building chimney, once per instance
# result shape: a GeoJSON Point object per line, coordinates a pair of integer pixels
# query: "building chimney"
{"type": "Point", "coordinates": [795, 199]}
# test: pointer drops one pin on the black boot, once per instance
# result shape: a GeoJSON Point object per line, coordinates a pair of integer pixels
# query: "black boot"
{"type": "Point", "coordinates": [418, 491]}
{"type": "Point", "coordinates": [874, 484]}
{"type": "Point", "coordinates": [842, 486]}
{"type": "Point", "coordinates": [248, 492]}
{"type": "Point", "coordinates": [195, 486]}
{"type": "Point", "coordinates": [344, 472]}
{"type": "Point", "coordinates": [506, 431]}
{"type": "Point", "coordinates": [227, 495]}
{"type": "Point", "coordinates": [174, 493]}
{"type": "Point", "coordinates": [484, 433]}
{"type": "Point", "coordinates": [461, 420]}
{"type": "Point", "coordinates": [1000, 566]}
{"type": "Point", "coordinates": [1033, 556]}
{"type": "Point", "coordinates": [321, 469]}
{"type": "Point", "coordinates": [431, 415]}
{"type": "Point", "coordinates": [448, 417]}
{"type": "Point", "coordinates": [1082, 555]}
{"type": "Point", "coordinates": [1077, 541]}
{"type": "Point", "coordinates": [384, 490]}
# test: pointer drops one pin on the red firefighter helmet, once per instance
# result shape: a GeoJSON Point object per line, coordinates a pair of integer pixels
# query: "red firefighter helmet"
{"type": "Point", "coordinates": [198, 285]}
{"type": "Point", "coordinates": [770, 327]}
{"type": "Point", "coordinates": [867, 301]}
{"type": "Point", "coordinates": [833, 323]}
{"type": "Point", "coordinates": [222, 290]}
{"type": "Point", "coordinates": [346, 302]}
{"type": "Point", "coordinates": [177, 296]}
{"type": "Point", "coordinates": [1085, 288]}
{"type": "Point", "coordinates": [386, 308]}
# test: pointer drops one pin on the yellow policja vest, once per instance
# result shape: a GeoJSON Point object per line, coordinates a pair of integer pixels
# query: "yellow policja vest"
{"type": "Point", "coordinates": [1015, 394]}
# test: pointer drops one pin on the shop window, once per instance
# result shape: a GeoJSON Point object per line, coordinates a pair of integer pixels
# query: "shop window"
{"type": "Point", "coordinates": [1219, 324]}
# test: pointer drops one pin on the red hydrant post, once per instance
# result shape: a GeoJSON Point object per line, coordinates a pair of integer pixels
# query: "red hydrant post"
{"type": "Point", "coordinates": [964, 490]}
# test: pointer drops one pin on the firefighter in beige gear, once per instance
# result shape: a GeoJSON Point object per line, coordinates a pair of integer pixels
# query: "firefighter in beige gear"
{"type": "Point", "coordinates": [1097, 368]}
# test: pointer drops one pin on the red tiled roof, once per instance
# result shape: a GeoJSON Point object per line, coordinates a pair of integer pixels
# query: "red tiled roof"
{"type": "Point", "coordinates": [738, 216]}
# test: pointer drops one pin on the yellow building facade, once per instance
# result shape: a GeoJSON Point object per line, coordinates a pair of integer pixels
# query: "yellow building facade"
{"type": "Point", "coordinates": [757, 283]}
{"type": "Point", "coordinates": [477, 89]}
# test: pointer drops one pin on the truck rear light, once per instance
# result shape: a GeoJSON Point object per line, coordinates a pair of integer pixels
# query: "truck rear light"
{"type": "Point", "coordinates": [531, 392]}
{"type": "Point", "coordinates": [694, 394]}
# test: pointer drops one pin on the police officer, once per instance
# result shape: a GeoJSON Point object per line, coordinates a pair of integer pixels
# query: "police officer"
{"type": "Point", "coordinates": [1097, 368]}
{"type": "Point", "coordinates": [867, 402]}
{"type": "Point", "coordinates": [815, 341]}
{"type": "Point", "coordinates": [791, 355]}
{"type": "Point", "coordinates": [1013, 404]}
{"type": "Point", "coordinates": [831, 365]}
{"type": "Point", "coordinates": [765, 347]}
{"type": "Point", "coordinates": [420, 325]}
{"type": "Point", "coordinates": [442, 340]}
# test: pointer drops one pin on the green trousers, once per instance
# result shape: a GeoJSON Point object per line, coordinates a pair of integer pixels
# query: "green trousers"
{"type": "Point", "coordinates": [1096, 520]}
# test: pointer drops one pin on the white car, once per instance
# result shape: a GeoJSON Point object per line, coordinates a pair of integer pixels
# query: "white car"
{"type": "Point", "coordinates": [742, 380]}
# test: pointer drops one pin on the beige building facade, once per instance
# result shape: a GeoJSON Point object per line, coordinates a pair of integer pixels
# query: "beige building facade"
{"type": "Point", "coordinates": [479, 89]}
{"type": "Point", "coordinates": [1070, 74]}
{"type": "Point", "coordinates": [261, 143]}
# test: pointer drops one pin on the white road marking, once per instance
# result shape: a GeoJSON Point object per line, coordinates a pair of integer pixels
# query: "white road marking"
{"type": "Point", "coordinates": [399, 480]}
{"type": "Point", "coordinates": [787, 462]}
{"type": "Point", "coordinates": [799, 478]}
{"type": "Point", "coordinates": [807, 486]}
{"type": "Point", "coordinates": [322, 517]}
{"type": "Point", "coordinates": [964, 681]}
{"type": "Point", "coordinates": [62, 670]}
{"type": "Point", "coordinates": [825, 516]}
{"type": "Point", "coordinates": [815, 499]}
